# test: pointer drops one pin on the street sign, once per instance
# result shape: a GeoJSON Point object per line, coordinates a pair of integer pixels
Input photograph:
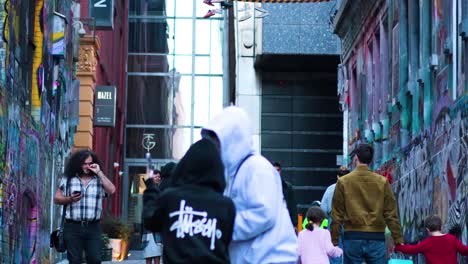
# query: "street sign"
{"type": "Point", "coordinates": [104, 106]}
{"type": "Point", "coordinates": [103, 13]}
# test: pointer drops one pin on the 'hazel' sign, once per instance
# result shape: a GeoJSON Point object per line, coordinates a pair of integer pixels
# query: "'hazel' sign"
{"type": "Point", "coordinates": [104, 106]}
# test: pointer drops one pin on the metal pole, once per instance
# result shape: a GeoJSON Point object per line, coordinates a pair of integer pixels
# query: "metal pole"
{"type": "Point", "coordinates": [226, 47]}
{"type": "Point", "coordinates": [148, 160]}
{"type": "Point", "coordinates": [52, 191]}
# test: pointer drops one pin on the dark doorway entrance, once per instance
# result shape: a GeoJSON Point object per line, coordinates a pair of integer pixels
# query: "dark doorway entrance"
{"type": "Point", "coordinates": [302, 125]}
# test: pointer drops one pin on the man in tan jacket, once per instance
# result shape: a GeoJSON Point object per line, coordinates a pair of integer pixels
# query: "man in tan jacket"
{"type": "Point", "coordinates": [364, 204]}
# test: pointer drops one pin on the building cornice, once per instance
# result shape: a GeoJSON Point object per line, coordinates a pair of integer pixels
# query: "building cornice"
{"type": "Point", "coordinates": [350, 19]}
{"type": "Point", "coordinates": [88, 56]}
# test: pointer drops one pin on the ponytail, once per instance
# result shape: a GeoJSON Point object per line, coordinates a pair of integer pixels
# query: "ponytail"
{"type": "Point", "coordinates": [314, 215]}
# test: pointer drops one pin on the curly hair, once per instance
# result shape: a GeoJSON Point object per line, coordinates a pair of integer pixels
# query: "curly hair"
{"type": "Point", "coordinates": [77, 159]}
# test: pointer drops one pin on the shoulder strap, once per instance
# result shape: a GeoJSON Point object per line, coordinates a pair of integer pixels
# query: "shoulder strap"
{"type": "Point", "coordinates": [233, 177]}
{"type": "Point", "coordinates": [64, 207]}
{"type": "Point", "coordinates": [100, 188]}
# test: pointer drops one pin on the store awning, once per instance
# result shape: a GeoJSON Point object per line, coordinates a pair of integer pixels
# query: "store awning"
{"type": "Point", "coordinates": [283, 1]}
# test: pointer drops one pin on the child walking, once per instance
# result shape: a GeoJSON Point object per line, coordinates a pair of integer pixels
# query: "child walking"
{"type": "Point", "coordinates": [314, 244]}
{"type": "Point", "coordinates": [438, 247]}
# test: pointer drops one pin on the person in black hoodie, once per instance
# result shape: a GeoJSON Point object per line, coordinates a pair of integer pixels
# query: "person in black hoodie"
{"type": "Point", "coordinates": [195, 220]}
{"type": "Point", "coordinates": [166, 173]}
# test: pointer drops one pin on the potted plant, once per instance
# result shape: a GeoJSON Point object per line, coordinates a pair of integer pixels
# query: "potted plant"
{"type": "Point", "coordinates": [119, 235]}
{"type": "Point", "coordinates": [106, 251]}
{"type": "Point", "coordinates": [125, 232]}
{"type": "Point", "coordinates": [111, 227]}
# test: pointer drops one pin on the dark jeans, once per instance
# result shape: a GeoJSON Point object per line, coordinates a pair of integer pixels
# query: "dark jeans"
{"type": "Point", "coordinates": [370, 251]}
{"type": "Point", "coordinates": [85, 237]}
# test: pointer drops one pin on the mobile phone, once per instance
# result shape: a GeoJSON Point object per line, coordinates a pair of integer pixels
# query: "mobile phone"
{"type": "Point", "coordinates": [77, 192]}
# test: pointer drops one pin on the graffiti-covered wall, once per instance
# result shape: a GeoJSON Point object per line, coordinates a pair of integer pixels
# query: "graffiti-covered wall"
{"type": "Point", "coordinates": [404, 87]}
{"type": "Point", "coordinates": [38, 96]}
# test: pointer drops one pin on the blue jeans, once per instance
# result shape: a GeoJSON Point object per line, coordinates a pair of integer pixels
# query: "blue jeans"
{"type": "Point", "coordinates": [370, 251]}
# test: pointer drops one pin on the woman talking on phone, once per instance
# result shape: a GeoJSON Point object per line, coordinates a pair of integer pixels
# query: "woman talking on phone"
{"type": "Point", "coordinates": [82, 190]}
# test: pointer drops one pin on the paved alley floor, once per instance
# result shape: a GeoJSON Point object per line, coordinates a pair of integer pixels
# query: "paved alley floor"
{"type": "Point", "coordinates": [134, 257]}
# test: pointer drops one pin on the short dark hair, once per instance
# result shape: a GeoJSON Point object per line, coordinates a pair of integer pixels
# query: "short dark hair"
{"type": "Point", "coordinates": [276, 164]}
{"type": "Point", "coordinates": [433, 223]}
{"type": "Point", "coordinates": [342, 171]}
{"type": "Point", "coordinates": [77, 159]}
{"type": "Point", "coordinates": [364, 152]}
{"type": "Point", "coordinates": [314, 215]}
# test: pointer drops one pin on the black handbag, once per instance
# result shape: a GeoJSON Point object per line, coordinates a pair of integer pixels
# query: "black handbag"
{"type": "Point", "coordinates": [57, 239]}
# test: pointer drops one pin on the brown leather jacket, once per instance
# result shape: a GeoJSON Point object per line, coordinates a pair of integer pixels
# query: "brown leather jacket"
{"type": "Point", "coordinates": [364, 202]}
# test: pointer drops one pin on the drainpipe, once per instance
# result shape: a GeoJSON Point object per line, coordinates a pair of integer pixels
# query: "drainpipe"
{"type": "Point", "coordinates": [455, 49]}
{"type": "Point", "coordinates": [226, 58]}
{"type": "Point", "coordinates": [403, 82]}
{"type": "Point", "coordinates": [426, 55]}
{"type": "Point", "coordinates": [51, 208]}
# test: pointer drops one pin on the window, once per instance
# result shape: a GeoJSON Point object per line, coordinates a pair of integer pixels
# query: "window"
{"type": "Point", "coordinates": [175, 75]}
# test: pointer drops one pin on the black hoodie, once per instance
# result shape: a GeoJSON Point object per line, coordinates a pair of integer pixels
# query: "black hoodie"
{"type": "Point", "coordinates": [194, 218]}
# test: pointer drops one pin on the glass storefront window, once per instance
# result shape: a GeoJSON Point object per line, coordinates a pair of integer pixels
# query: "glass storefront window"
{"type": "Point", "coordinates": [149, 63]}
{"type": "Point", "coordinates": [175, 72]}
{"type": "Point", "coordinates": [183, 102]}
{"type": "Point", "coordinates": [183, 36]}
{"type": "Point", "coordinates": [170, 8]}
{"type": "Point", "coordinates": [216, 92]}
{"type": "Point", "coordinates": [151, 8]}
{"type": "Point", "coordinates": [148, 35]}
{"type": "Point", "coordinates": [202, 65]}
{"type": "Point", "coordinates": [184, 8]}
{"type": "Point", "coordinates": [171, 143]}
{"type": "Point", "coordinates": [149, 99]}
{"type": "Point", "coordinates": [174, 84]}
{"type": "Point", "coordinates": [202, 102]}
{"type": "Point", "coordinates": [183, 64]}
{"type": "Point", "coordinates": [203, 37]}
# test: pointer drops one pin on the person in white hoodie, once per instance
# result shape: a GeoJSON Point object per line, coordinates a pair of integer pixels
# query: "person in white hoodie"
{"type": "Point", "coordinates": [263, 232]}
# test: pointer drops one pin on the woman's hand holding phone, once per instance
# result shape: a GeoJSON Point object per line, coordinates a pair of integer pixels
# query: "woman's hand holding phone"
{"type": "Point", "coordinates": [149, 175]}
{"type": "Point", "coordinates": [75, 196]}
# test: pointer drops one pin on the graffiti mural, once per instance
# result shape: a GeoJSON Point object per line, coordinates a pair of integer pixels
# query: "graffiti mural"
{"type": "Point", "coordinates": [421, 137]}
{"type": "Point", "coordinates": [37, 62]}
{"type": "Point", "coordinates": [35, 133]}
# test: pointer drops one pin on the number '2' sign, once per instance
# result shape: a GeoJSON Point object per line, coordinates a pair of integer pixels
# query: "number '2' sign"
{"type": "Point", "coordinates": [103, 13]}
{"type": "Point", "coordinates": [101, 3]}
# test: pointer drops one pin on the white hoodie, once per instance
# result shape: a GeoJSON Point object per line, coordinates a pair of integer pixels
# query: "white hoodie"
{"type": "Point", "coordinates": [263, 232]}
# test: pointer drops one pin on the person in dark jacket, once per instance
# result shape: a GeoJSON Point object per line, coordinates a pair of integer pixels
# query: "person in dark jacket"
{"type": "Point", "coordinates": [166, 173]}
{"type": "Point", "coordinates": [195, 220]}
{"type": "Point", "coordinates": [289, 197]}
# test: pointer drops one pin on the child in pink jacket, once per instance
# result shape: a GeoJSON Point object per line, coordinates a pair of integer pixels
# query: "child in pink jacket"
{"type": "Point", "coordinates": [314, 244]}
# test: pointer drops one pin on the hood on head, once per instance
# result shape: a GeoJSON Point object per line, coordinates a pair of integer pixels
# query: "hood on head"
{"type": "Point", "coordinates": [234, 131]}
{"type": "Point", "coordinates": [167, 170]}
{"type": "Point", "coordinates": [201, 165]}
